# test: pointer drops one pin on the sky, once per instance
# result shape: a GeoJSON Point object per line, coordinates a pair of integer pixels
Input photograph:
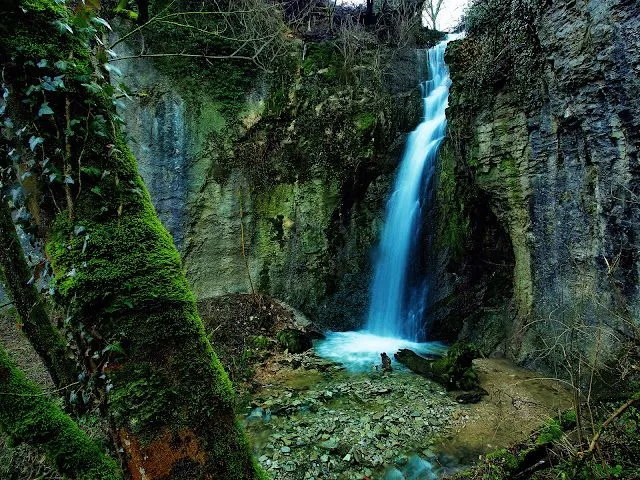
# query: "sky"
{"type": "Point", "coordinates": [450, 12]}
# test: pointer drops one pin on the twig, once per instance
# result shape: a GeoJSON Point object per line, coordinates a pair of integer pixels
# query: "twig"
{"type": "Point", "coordinates": [49, 392]}
{"type": "Point", "coordinates": [615, 415]}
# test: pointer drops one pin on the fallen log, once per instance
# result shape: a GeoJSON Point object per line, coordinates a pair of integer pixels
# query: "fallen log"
{"type": "Point", "coordinates": [454, 370]}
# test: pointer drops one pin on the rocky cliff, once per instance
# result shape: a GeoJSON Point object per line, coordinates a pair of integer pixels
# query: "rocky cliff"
{"type": "Point", "coordinates": [275, 182]}
{"type": "Point", "coordinates": [539, 184]}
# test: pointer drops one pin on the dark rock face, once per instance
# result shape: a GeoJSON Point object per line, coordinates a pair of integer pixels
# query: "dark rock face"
{"type": "Point", "coordinates": [559, 172]}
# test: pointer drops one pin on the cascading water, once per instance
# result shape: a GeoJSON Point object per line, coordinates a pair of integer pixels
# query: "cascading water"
{"type": "Point", "coordinates": [393, 320]}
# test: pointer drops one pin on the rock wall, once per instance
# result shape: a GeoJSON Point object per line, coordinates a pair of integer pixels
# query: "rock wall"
{"type": "Point", "coordinates": [547, 184]}
{"type": "Point", "coordinates": [284, 191]}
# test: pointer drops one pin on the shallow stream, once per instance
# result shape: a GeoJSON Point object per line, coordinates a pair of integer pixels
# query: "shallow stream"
{"type": "Point", "coordinates": [314, 419]}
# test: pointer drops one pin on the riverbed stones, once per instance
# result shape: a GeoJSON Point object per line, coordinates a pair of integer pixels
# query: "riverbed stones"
{"type": "Point", "coordinates": [348, 426]}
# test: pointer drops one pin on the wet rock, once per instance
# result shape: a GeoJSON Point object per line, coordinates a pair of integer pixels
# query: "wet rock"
{"type": "Point", "coordinates": [386, 362]}
{"type": "Point", "coordinates": [295, 341]}
{"type": "Point", "coordinates": [471, 397]}
{"type": "Point", "coordinates": [364, 425]}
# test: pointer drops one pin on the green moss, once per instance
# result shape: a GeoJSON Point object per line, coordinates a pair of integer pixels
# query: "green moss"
{"type": "Point", "coordinates": [294, 340]}
{"type": "Point", "coordinates": [28, 415]}
{"type": "Point", "coordinates": [319, 56]}
{"type": "Point", "coordinates": [568, 418]}
{"type": "Point", "coordinates": [365, 121]}
{"type": "Point", "coordinates": [452, 216]}
{"type": "Point", "coordinates": [549, 433]}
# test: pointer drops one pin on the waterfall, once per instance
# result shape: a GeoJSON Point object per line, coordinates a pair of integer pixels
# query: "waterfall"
{"type": "Point", "coordinates": [393, 311]}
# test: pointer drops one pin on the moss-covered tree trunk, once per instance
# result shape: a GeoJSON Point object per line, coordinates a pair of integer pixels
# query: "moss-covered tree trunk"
{"type": "Point", "coordinates": [47, 341]}
{"type": "Point", "coordinates": [117, 271]}
{"type": "Point", "coordinates": [28, 415]}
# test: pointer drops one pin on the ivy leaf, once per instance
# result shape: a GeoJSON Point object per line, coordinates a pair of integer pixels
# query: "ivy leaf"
{"type": "Point", "coordinates": [61, 65]}
{"type": "Point", "coordinates": [68, 180]}
{"type": "Point", "coordinates": [32, 88]}
{"type": "Point", "coordinates": [42, 63]}
{"type": "Point", "coordinates": [45, 110]}
{"type": "Point", "coordinates": [34, 142]}
{"type": "Point", "coordinates": [14, 155]}
{"type": "Point", "coordinates": [92, 87]}
{"type": "Point", "coordinates": [85, 243]}
{"type": "Point", "coordinates": [51, 85]}
{"type": "Point", "coordinates": [63, 27]}
{"type": "Point", "coordinates": [102, 21]}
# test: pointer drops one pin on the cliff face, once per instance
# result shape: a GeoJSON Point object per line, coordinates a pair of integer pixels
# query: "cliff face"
{"type": "Point", "coordinates": [281, 190]}
{"type": "Point", "coordinates": [547, 170]}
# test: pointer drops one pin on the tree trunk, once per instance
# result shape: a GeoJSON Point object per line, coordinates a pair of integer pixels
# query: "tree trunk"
{"type": "Point", "coordinates": [117, 271]}
{"type": "Point", "coordinates": [28, 415]}
{"type": "Point", "coordinates": [47, 341]}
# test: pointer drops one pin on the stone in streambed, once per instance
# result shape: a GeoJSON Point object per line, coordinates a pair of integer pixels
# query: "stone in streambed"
{"type": "Point", "coordinates": [330, 444]}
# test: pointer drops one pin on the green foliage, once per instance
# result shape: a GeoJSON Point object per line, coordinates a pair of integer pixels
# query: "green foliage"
{"type": "Point", "coordinates": [365, 121]}
{"type": "Point", "coordinates": [260, 342]}
{"type": "Point", "coordinates": [202, 31]}
{"type": "Point", "coordinates": [616, 455]}
{"type": "Point", "coordinates": [551, 432]}
{"type": "Point", "coordinates": [322, 56]}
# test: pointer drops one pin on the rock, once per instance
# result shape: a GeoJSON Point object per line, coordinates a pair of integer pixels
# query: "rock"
{"type": "Point", "coordinates": [386, 362]}
{"type": "Point", "coordinates": [331, 444]}
{"type": "Point", "coordinates": [295, 341]}
{"type": "Point", "coordinates": [471, 397]}
{"type": "Point", "coordinates": [393, 474]}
